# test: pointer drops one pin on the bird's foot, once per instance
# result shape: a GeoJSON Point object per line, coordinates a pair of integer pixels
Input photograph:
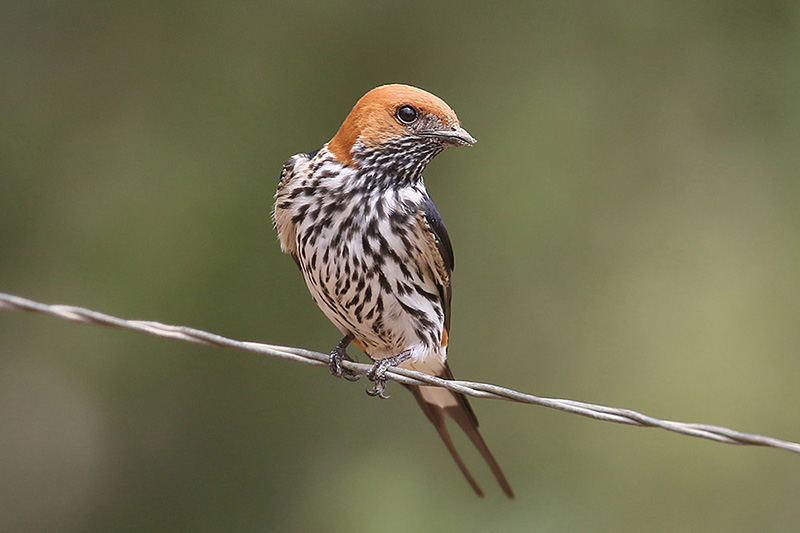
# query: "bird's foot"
{"type": "Point", "coordinates": [339, 354]}
{"type": "Point", "coordinates": [377, 374]}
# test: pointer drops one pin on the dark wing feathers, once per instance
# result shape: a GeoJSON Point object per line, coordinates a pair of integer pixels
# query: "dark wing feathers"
{"type": "Point", "coordinates": [435, 224]}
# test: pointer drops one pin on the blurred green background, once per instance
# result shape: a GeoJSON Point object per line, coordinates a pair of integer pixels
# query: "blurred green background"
{"type": "Point", "coordinates": [626, 230]}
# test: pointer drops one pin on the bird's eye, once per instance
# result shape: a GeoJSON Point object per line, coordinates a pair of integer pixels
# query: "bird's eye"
{"type": "Point", "coordinates": [406, 114]}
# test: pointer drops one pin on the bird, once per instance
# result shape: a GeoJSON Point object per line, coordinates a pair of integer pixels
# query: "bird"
{"type": "Point", "coordinates": [374, 252]}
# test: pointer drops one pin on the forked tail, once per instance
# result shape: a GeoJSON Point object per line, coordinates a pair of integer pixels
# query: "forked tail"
{"type": "Point", "coordinates": [438, 403]}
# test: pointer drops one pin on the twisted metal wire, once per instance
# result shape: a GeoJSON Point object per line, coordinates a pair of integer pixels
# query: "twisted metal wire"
{"type": "Point", "coordinates": [407, 377]}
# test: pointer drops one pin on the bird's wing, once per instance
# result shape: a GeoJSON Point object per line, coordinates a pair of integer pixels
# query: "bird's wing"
{"type": "Point", "coordinates": [282, 215]}
{"type": "Point", "coordinates": [441, 251]}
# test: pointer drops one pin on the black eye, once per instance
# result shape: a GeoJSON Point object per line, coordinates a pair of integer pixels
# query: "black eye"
{"type": "Point", "coordinates": [406, 114]}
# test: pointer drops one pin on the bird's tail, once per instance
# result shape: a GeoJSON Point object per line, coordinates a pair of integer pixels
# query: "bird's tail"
{"type": "Point", "coordinates": [438, 403]}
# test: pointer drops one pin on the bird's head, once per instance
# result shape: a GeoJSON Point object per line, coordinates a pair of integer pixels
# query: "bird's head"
{"type": "Point", "coordinates": [400, 117]}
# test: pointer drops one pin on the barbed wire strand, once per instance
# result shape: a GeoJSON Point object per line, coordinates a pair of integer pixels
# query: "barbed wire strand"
{"type": "Point", "coordinates": [400, 375]}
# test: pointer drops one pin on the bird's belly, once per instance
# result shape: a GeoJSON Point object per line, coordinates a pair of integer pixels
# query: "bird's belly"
{"type": "Point", "coordinates": [371, 288]}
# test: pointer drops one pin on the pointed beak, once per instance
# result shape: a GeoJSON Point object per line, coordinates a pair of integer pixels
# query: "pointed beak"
{"type": "Point", "coordinates": [456, 135]}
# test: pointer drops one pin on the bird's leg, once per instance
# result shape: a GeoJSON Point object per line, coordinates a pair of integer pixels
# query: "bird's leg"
{"type": "Point", "coordinates": [377, 373]}
{"type": "Point", "coordinates": [339, 354]}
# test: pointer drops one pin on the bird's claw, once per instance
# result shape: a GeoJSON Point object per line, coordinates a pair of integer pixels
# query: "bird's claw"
{"type": "Point", "coordinates": [377, 373]}
{"type": "Point", "coordinates": [349, 375]}
{"type": "Point", "coordinates": [378, 387]}
{"type": "Point", "coordinates": [338, 355]}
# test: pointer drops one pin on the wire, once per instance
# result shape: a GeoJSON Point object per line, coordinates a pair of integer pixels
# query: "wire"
{"type": "Point", "coordinates": [401, 375]}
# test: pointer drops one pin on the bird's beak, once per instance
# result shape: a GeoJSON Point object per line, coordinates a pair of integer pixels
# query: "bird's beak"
{"type": "Point", "coordinates": [456, 135]}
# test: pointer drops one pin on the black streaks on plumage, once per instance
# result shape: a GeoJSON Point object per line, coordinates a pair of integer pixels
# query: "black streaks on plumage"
{"type": "Point", "coordinates": [366, 247]}
{"type": "Point", "coordinates": [353, 301]}
{"type": "Point", "coordinates": [332, 208]}
{"type": "Point", "coordinates": [304, 191]}
{"type": "Point", "coordinates": [303, 239]}
{"type": "Point", "coordinates": [342, 285]}
{"type": "Point", "coordinates": [396, 164]}
{"type": "Point", "coordinates": [372, 228]}
{"type": "Point", "coordinates": [361, 283]}
{"type": "Point", "coordinates": [384, 283]}
{"type": "Point", "coordinates": [418, 314]}
{"type": "Point", "coordinates": [300, 213]}
{"type": "Point", "coordinates": [358, 243]}
{"type": "Point", "coordinates": [367, 293]}
{"type": "Point", "coordinates": [425, 294]}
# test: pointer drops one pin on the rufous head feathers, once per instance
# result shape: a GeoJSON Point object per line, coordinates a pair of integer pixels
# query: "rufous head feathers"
{"type": "Point", "coordinates": [392, 111]}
